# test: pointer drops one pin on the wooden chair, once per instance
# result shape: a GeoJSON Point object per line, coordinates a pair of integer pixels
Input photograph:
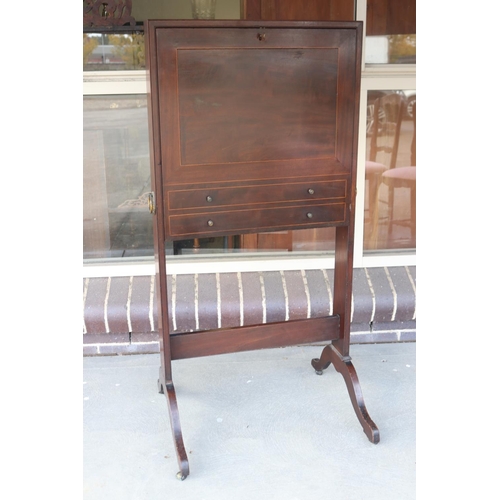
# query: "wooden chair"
{"type": "Point", "coordinates": [387, 117]}
{"type": "Point", "coordinates": [404, 177]}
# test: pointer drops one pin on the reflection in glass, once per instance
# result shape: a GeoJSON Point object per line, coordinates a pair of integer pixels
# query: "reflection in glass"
{"type": "Point", "coordinates": [390, 32]}
{"type": "Point", "coordinates": [390, 171]}
{"type": "Point", "coordinates": [116, 177]}
{"type": "Point", "coordinates": [203, 9]}
{"type": "Point", "coordinates": [391, 49]}
{"type": "Point", "coordinates": [105, 52]}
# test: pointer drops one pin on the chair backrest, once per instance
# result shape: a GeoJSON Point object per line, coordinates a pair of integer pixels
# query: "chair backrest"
{"type": "Point", "coordinates": [388, 115]}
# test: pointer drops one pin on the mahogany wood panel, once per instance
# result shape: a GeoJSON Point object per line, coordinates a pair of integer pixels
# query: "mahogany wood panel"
{"type": "Point", "coordinates": [261, 104]}
{"type": "Point", "coordinates": [224, 119]}
{"type": "Point", "coordinates": [270, 335]}
{"type": "Point", "coordinates": [242, 105]}
{"type": "Point", "coordinates": [390, 17]}
{"type": "Point", "coordinates": [210, 196]}
{"type": "Point", "coordinates": [300, 10]}
{"type": "Point", "coordinates": [251, 9]}
{"type": "Point", "coordinates": [246, 221]}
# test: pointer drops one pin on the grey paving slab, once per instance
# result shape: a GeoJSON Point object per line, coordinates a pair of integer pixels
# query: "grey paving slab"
{"type": "Point", "coordinates": [259, 424]}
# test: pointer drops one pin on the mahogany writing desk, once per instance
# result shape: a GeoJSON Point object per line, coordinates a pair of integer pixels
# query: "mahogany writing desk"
{"type": "Point", "coordinates": [253, 128]}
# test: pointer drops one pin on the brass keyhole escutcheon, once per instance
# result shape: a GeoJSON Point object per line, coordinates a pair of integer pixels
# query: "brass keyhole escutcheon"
{"type": "Point", "coordinates": [261, 36]}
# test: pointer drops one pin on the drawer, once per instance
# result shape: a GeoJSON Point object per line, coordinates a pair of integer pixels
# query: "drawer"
{"type": "Point", "coordinates": [256, 220]}
{"type": "Point", "coordinates": [257, 194]}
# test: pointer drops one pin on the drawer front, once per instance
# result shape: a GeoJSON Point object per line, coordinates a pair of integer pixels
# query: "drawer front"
{"type": "Point", "coordinates": [256, 194]}
{"type": "Point", "coordinates": [257, 220]}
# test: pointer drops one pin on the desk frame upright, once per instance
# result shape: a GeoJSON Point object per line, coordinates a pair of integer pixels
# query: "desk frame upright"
{"type": "Point", "coordinates": [254, 128]}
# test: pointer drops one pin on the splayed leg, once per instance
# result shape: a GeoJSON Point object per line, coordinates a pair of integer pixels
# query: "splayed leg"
{"type": "Point", "coordinates": [176, 428]}
{"type": "Point", "coordinates": [345, 367]}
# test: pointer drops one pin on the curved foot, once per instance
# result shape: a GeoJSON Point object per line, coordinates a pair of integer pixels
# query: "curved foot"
{"type": "Point", "coordinates": [160, 387]}
{"type": "Point", "coordinates": [322, 363]}
{"type": "Point", "coordinates": [344, 366]}
{"type": "Point", "coordinates": [177, 433]}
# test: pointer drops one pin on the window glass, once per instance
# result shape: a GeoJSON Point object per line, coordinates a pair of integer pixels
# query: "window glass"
{"type": "Point", "coordinates": [390, 170]}
{"type": "Point", "coordinates": [116, 177]}
{"type": "Point", "coordinates": [108, 52]}
{"type": "Point", "coordinates": [116, 183]}
{"type": "Point", "coordinates": [391, 49]}
{"type": "Point", "coordinates": [390, 32]}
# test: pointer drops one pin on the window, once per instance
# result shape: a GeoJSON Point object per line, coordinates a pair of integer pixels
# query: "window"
{"type": "Point", "coordinates": [390, 32]}
{"type": "Point", "coordinates": [116, 175]}
{"type": "Point", "coordinates": [390, 168]}
{"type": "Point", "coordinates": [113, 52]}
{"type": "Point", "coordinates": [117, 224]}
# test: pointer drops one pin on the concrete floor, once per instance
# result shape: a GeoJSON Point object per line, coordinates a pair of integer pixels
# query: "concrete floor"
{"type": "Point", "coordinates": [256, 425]}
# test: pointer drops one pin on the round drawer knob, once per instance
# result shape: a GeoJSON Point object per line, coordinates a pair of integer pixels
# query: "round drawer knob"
{"type": "Point", "coordinates": [310, 191]}
{"type": "Point", "coordinates": [209, 199]}
{"type": "Point", "coordinates": [309, 215]}
{"type": "Point", "coordinates": [210, 223]}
